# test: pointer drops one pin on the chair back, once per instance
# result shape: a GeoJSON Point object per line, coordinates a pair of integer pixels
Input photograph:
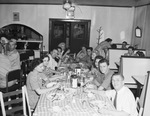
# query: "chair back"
{"type": "Point", "coordinates": [26, 100]}
{"type": "Point", "coordinates": [141, 101]}
{"type": "Point", "coordinates": [11, 76]}
{"type": "Point", "coordinates": [14, 103]}
{"type": "Point", "coordinates": [14, 74]}
{"type": "Point", "coordinates": [139, 107]}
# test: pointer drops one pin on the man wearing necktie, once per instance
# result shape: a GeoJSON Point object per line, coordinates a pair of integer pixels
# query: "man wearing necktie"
{"type": "Point", "coordinates": [121, 96]}
{"type": "Point", "coordinates": [115, 100]}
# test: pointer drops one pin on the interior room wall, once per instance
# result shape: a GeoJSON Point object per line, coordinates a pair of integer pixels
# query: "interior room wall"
{"type": "Point", "coordinates": [146, 33]}
{"type": "Point", "coordinates": [116, 22]}
{"type": "Point", "coordinates": [141, 19]}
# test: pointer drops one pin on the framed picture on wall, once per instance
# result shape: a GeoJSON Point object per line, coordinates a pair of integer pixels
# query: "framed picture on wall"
{"type": "Point", "coordinates": [79, 31]}
{"type": "Point", "coordinates": [138, 32]}
{"type": "Point", "coordinates": [16, 16]}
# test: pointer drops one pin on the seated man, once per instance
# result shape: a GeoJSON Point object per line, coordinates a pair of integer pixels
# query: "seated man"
{"type": "Point", "coordinates": [121, 96]}
{"type": "Point", "coordinates": [13, 55]}
{"type": "Point", "coordinates": [106, 74]}
{"type": "Point", "coordinates": [130, 52]}
{"type": "Point", "coordinates": [65, 51]}
{"type": "Point", "coordinates": [124, 45]}
{"type": "Point", "coordinates": [87, 59]}
{"type": "Point", "coordinates": [53, 65]}
{"type": "Point", "coordinates": [5, 67]}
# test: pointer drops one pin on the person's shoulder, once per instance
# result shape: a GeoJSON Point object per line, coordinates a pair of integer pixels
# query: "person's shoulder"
{"type": "Point", "coordinates": [127, 91]}
{"type": "Point", "coordinates": [4, 58]}
{"type": "Point", "coordinates": [110, 92]}
{"type": "Point", "coordinates": [125, 54]}
{"type": "Point", "coordinates": [110, 72]}
{"type": "Point", "coordinates": [31, 75]}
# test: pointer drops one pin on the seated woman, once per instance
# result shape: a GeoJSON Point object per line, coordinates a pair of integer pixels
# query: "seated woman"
{"type": "Point", "coordinates": [94, 54]}
{"type": "Point", "coordinates": [35, 83]}
{"type": "Point", "coordinates": [140, 54]}
{"type": "Point", "coordinates": [81, 54]}
{"type": "Point", "coordinates": [95, 71]}
{"type": "Point", "coordinates": [64, 51]}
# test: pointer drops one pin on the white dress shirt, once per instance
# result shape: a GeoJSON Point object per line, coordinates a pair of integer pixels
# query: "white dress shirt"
{"type": "Point", "coordinates": [125, 100]}
{"type": "Point", "coordinates": [52, 63]}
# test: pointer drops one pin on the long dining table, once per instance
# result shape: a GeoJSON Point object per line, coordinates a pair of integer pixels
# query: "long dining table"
{"type": "Point", "coordinates": [72, 102]}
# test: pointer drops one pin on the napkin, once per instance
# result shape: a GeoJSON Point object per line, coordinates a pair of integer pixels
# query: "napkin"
{"type": "Point", "coordinates": [56, 109]}
{"type": "Point", "coordinates": [51, 84]}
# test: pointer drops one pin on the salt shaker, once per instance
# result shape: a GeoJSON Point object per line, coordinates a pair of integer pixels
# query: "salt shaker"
{"type": "Point", "coordinates": [74, 81]}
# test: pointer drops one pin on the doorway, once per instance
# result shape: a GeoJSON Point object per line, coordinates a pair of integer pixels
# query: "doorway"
{"type": "Point", "coordinates": [75, 33]}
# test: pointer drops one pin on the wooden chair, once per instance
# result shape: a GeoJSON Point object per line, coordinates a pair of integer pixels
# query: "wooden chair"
{"type": "Point", "coordinates": [11, 76]}
{"type": "Point", "coordinates": [139, 107]}
{"type": "Point", "coordinates": [24, 68]}
{"type": "Point", "coordinates": [18, 106]}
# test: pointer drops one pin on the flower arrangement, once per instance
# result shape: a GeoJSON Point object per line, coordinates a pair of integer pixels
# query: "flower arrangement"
{"type": "Point", "coordinates": [100, 33]}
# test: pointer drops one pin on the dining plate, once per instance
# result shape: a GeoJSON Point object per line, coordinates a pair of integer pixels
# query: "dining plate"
{"type": "Point", "coordinates": [69, 90]}
{"type": "Point", "coordinates": [60, 76]}
{"type": "Point", "coordinates": [51, 84]}
{"type": "Point", "coordinates": [100, 104]}
{"type": "Point", "coordinates": [55, 96]}
{"type": "Point", "coordinates": [90, 86]}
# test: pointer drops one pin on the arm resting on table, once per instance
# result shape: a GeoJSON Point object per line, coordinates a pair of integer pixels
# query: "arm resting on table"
{"type": "Point", "coordinates": [42, 91]}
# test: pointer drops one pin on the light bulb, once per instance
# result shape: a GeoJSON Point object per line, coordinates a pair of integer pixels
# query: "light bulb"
{"type": "Point", "coordinates": [67, 5]}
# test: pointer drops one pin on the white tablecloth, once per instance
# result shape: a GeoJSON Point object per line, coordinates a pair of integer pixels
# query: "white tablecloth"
{"type": "Point", "coordinates": [70, 106]}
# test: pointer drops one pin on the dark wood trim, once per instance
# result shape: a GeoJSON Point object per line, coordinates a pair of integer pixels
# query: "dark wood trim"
{"type": "Point", "coordinates": [135, 57]}
{"type": "Point", "coordinates": [69, 21]}
{"type": "Point", "coordinates": [147, 82]}
{"type": "Point", "coordinates": [127, 49]}
{"type": "Point", "coordinates": [43, 3]}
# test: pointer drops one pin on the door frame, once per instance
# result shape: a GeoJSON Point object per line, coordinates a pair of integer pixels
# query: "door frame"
{"type": "Point", "coordinates": [51, 20]}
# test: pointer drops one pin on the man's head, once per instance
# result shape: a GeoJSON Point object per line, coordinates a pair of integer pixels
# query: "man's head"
{"type": "Point", "coordinates": [108, 40]}
{"type": "Point", "coordinates": [5, 44]}
{"type": "Point", "coordinates": [124, 44]}
{"type": "Point", "coordinates": [12, 44]}
{"type": "Point", "coordinates": [54, 53]}
{"type": "Point", "coordinates": [130, 50]}
{"type": "Point", "coordinates": [4, 40]}
{"type": "Point", "coordinates": [117, 81]}
{"type": "Point", "coordinates": [103, 66]}
{"type": "Point", "coordinates": [89, 51]}
{"type": "Point", "coordinates": [62, 45]}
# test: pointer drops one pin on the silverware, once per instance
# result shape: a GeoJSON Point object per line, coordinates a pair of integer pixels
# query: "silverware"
{"type": "Point", "coordinates": [53, 96]}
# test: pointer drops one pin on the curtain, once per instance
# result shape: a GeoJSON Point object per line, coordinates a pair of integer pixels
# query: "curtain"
{"type": "Point", "coordinates": [141, 19]}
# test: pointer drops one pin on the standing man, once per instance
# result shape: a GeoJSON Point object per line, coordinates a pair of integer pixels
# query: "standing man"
{"type": "Point", "coordinates": [103, 47]}
{"type": "Point", "coordinates": [5, 67]}
{"type": "Point", "coordinates": [106, 75]}
{"type": "Point", "coordinates": [13, 55]}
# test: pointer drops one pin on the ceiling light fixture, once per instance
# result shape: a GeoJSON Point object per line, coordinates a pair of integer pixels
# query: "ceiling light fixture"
{"type": "Point", "coordinates": [68, 6]}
